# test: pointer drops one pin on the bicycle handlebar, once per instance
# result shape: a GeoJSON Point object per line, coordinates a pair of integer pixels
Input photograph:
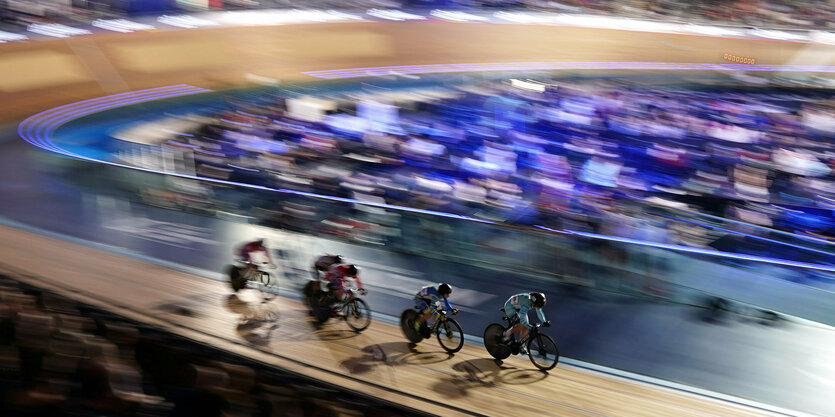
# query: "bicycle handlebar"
{"type": "Point", "coordinates": [252, 262]}
{"type": "Point", "coordinates": [440, 309]}
{"type": "Point", "coordinates": [546, 323]}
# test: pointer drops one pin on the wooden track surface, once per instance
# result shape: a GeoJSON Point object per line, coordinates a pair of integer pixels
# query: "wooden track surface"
{"type": "Point", "coordinates": [38, 75]}
{"type": "Point", "coordinates": [378, 361]}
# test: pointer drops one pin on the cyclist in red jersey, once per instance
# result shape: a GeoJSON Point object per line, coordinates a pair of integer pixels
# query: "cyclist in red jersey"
{"type": "Point", "coordinates": [338, 275]}
{"type": "Point", "coordinates": [245, 252]}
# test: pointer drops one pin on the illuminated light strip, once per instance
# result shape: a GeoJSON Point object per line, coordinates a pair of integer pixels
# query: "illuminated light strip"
{"type": "Point", "coordinates": [56, 30]}
{"type": "Point", "coordinates": [677, 248]}
{"type": "Point", "coordinates": [62, 109]}
{"type": "Point", "coordinates": [113, 96]}
{"type": "Point", "coordinates": [51, 127]}
{"type": "Point", "coordinates": [66, 109]}
{"type": "Point", "coordinates": [498, 66]}
{"type": "Point", "coordinates": [11, 37]}
{"type": "Point", "coordinates": [36, 129]}
{"type": "Point", "coordinates": [243, 168]}
{"type": "Point", "coordinates": [34, 119]}
{"type": "Point", "coordinates": [68, 116]}
{"type": "Point", "coordinates": [98, 104]}
{"type": "Point", "coordinates": [81, 113]}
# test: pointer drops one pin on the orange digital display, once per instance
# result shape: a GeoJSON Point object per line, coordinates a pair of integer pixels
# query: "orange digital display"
{"type": "Point", "coordinates": [738, 59]}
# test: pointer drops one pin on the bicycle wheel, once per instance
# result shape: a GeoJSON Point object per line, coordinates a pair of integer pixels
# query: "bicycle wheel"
{"type": "Point", "coordinates": [266, 278]}
{"type": "Point", "coordinates": [450, 335]}
{"type": "Point", "coordinates": [407, 320]}
{"type": "Point", "coordinates": [543, 352]}
{"type": "Point", "coordinates": [308, 291]}
{"type": "Point", "coordinates": [493, 341]}
{"type": "Point", "coordinates": [357, 314]}
{"type": "Point", "coordinates": [236, 281]}
{"type": "Point", "coordinates": [320, 307]}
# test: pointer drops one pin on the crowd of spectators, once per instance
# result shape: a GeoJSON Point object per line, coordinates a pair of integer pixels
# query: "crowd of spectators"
{"type": "Point", "coordinates": [758, 13]}
{"type": "Point", "coordinates": [747, 13]}
{"type": "Point", "coordinates": [502, 153]}
{"type": "Point", "coordinates": [62, 358]}
{"type": "Point", "coordinates": [769, 14]}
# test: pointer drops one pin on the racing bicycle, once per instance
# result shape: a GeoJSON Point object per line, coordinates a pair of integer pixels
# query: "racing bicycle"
{"type": "Point", "coordinates": [247, 271]}
{"type": "Point", "coordinates": [352, 309]}
{"type": "Point", "coordinates": [448, 331]}
{"type": "Point", "coordinates": [542, 350]}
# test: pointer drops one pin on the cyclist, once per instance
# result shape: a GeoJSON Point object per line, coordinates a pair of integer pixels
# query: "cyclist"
{"type": "Point", "coordinates": [520, 304]}
{"type": "Point", "coordinates": [432, 295]}
{"type": "Point", "coordinates": [323, 264]}
{"type": "Point", "coordinates": [257, 247]}
{"type": "Point", "coordinates": [338, 274]}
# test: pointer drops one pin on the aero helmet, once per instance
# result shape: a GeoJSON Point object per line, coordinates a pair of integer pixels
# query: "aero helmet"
{"type": "Point", "coordinates": [538, 299]}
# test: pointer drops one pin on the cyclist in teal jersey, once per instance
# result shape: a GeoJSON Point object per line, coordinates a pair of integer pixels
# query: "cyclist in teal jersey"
{"type": "Point", "coordinates": [520, 304]}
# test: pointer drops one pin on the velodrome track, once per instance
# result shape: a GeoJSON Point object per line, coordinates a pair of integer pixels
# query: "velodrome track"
{"type": "Point", "coordinates": [39, 75]}
{"type": "Point", "coordinates": [378, 361]}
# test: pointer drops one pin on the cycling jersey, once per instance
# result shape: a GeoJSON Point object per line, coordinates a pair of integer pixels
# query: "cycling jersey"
{"type": "Point", "coordinates": [246, 251]}
{"type": "Point", "coordinates": [429, 295]}
{"type": "Point", "coordinates": [520, 304]}
{"type": "Point", "coordinates": [338, 274]}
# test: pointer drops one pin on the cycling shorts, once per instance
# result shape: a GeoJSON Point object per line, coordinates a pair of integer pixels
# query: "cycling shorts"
{"type": "Point", "coordinates": [336, 283]}
{"type": "Point", "coordinates": [423, 304]}
{"type": "Point", "coordinates": [512, 312]}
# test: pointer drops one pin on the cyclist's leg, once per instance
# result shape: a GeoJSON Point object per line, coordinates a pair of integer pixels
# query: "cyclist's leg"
{"type": "Point", "coordinates": [424, 306]}
{"type": "Point", "coordinates": [248, 269]}
{"type": "Point", "coordinates": [511, 313]}
{"type": "Point", "coordinates": [335, 286]}
{"type": "Point", "coordinates": [331, 293]}
{"type": "Point", "coordinates": [517, 328]}
{"type": "Point", "coordinates": [251, 267]}
{"type": "Point", "coordinates": [524, 325]}
{"type": "Point", "coordinates": [518, 324]}
{"type": "Point", "coordinates": [523, 331]}
{"type": "Point", "coordinates": [522, 328]}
